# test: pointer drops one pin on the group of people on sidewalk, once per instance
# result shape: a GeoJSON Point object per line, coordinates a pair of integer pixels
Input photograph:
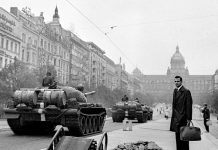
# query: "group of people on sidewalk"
{"type": "Point", "coordinates": [182, 112]}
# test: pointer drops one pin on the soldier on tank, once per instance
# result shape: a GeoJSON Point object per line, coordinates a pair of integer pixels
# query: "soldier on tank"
{"type": "Point", "coordinates": [136, 100]}
{"type": "Point", "coordinates": [80, 88]}
{"type": "Point", "coordinates": [48, 80]}
{"type": "Point", "coordinates": [125, 98]}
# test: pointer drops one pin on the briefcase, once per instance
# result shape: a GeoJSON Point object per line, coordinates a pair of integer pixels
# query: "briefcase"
{"type": "Point", "coordinates": [190, 133]}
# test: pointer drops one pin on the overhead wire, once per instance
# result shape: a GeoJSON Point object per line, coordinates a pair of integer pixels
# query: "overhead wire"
{"type": "Point", "coordinates": [98, 28]}
{"type": "Point", "coordinates": [161, 21]}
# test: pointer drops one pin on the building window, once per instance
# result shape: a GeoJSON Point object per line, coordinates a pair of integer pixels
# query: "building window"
{"type": "Point", "coordinates": [24, 38]}
{"type": "Point", "coordinates": [54, 62]}
{"type": "Point", "coordinates": [59, 51]}
{"type": "Point", "coordinates": [45, 45]}
{"type": "Point", "coordinates": [41, 42]}
{"type": "Point", "coordinates": [35, 42]}
{"type": "Point", "coordinates": [6, 61]}
{"type": "Point", "coordinates": [33, 58]}
{"type": "Point", "coordinates": [2, 42]}
{"type": "Point", "coordinates": [1, 62]}
{"type": "Point", "coordinates": [22, 57]}
{"type": "Point", "coordinates": [55, 49]}
{"type": "Point", "coordinates": [7, 44]}
{"type": "Point", "coordinates": [12, 46]}
{"type": "Point", "coordinates": [30, 40]}
{"type": "Point", "coordinates": [49, 47]}
{"type": "Point", "coordinates": [16, 48]}
{"type": "Point", "coordinates": [28, 57]}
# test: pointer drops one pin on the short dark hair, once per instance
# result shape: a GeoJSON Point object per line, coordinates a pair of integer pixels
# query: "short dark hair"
{"type": "Point", "coordinates": [179, 78]}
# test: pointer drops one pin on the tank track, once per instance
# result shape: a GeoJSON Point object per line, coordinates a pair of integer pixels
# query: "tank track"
{"type": "Point", "coordinates": [86, 124]}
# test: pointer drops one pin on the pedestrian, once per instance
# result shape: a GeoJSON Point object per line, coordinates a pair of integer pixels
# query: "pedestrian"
{"type": "Point", "coordinates": [167, 112]}
{"type": "Point", "coordinates": [181, 112]}
{"type": "Point", "coordinates": [48, 80]}
{"type": "Point", "coordinates": [206, 116]}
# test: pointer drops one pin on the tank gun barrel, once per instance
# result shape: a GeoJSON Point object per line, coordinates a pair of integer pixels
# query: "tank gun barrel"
{"type": "Point", "coordinates": [90, 93]}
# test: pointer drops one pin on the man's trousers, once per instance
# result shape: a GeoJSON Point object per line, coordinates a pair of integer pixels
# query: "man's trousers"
{"type": "Point", "coordinates": [206, 126]}
{"type": "Point", "coordinates": [181, 145]}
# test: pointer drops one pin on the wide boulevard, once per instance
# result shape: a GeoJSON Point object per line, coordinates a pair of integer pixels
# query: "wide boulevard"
{"type": "Point", "coordinates": [9, 141]}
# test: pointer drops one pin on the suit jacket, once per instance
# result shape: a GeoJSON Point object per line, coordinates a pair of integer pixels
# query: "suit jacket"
{"type": "Point", "coordinates": [181, 108]}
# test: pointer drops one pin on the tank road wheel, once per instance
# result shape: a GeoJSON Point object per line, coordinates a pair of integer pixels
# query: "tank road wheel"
{"type": "Point", "coordinates": [83, 124]}
{"type": "Point", "coordinates": [151, 116]}
{"type": "Point", "coordinates": [114, 117]}
{"type": "Point", "coordinates": [16, 125]}
{"type": "Point", "coordinates": [101, 120]}
{"type": "Point", "coordinates": [142, 118]}
{"type": "Point", "coordinates": [90, 124]}
{"type": "Point", "coordinates": [120, 118]}
{"type": "Point", "coordinates": [87, 125]}
{"type": "Point", "coordinates": [95, 124]}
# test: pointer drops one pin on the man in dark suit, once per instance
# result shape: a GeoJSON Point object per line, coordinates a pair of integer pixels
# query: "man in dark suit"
{"type": "Point", "coordinates": [206, 116]}
{"type": "Point", "coordinates": [48, 80]}
{"type": "Point", "coordinates": [181, 111]}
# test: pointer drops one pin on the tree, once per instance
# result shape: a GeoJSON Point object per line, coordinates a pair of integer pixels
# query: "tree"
{"type": "Point", "coordinates": [10, 74]}
{"type": "Point", "coordinates": [15, 76]}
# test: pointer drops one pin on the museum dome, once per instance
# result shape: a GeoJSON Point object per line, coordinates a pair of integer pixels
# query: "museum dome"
{"type": "Point", "coordinates": [177, 57]}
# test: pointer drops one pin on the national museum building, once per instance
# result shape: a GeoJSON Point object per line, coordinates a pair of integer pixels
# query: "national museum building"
{"type": "Point", "coordinates": [161, 86]}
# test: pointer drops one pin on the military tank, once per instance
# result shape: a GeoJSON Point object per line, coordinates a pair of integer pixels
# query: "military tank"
{"type": "Point", "coordinates": [130, 110]}
{"type": "Point", "coordinates": [149, 110]}
{"type": "Point", "coordinates": [33, 111]}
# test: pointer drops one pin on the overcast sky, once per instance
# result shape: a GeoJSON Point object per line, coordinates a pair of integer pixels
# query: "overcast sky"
{"type": "Point", "coordinates": [146, 32]}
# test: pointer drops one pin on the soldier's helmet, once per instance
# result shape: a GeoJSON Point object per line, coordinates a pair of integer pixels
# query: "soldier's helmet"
{"type": "Point", "coordinates": [80, 87]}
{"type": "Point", "coordinates": [137, 100]}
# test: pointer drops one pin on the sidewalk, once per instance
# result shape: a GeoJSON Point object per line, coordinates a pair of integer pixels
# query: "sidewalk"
{"type": "Point", "coordinates": [3, 124]}
{"type": "Point", "coordinates": [157, 131]}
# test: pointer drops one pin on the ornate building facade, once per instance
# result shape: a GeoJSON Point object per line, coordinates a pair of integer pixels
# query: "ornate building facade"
{"type": "Point", "coordinates": [161, 86]}
{"type": "Point", "coordinates": [38, 44]}
{"type": "Point", "coordinates": [10, 38]}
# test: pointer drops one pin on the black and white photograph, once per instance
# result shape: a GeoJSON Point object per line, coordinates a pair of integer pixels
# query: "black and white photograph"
{"type": "Point", "coordinates": [109, 74]}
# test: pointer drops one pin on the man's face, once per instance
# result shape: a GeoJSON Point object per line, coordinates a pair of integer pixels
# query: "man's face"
{"type": "Point", "coordinates": [177, 81]}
